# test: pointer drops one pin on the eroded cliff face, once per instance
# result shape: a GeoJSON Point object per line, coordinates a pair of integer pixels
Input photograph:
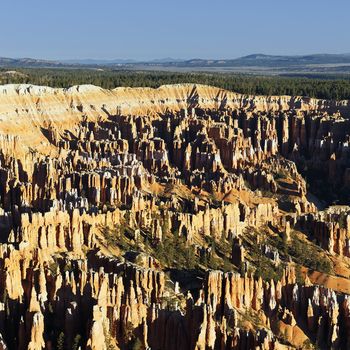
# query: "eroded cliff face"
{"type": "Point", "coordinates": [24, 109]}
{"type": "Point", "coordinates": [175, 218]}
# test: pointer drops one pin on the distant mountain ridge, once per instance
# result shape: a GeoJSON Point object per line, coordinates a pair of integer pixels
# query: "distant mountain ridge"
{"type": "Point", "coordinates": [92, 61]}
{"type": "Point", "coordinates": [27, 62]}
{"type": "Point", "coordinates": [253, 60]}
{"type": "Point", "coordinates": [88, 62]}
{"type": "Point", "coordinates": [262, 60]}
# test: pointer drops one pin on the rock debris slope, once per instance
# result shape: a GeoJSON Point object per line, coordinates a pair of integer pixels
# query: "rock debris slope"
{"type": "Point", "coordinates": [186, 217]}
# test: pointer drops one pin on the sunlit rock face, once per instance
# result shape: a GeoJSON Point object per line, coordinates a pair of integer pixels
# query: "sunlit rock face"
{"type": "Point", "coordinates": [167, 219]}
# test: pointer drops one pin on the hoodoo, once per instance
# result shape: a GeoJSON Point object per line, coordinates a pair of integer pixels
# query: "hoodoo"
{"type": "Point", "coordinates": [184, 217]}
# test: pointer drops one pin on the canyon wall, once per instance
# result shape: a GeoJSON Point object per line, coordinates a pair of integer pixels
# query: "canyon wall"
{"type": "Point", "coordinates": [26, 108]}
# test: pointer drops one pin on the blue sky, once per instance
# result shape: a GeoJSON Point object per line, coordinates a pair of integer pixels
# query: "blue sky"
{"type": "Point", "coordinates": [147, 29]}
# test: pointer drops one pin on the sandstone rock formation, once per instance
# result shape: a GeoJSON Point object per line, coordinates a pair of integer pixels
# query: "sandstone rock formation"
{"type": "Point", "coordinates": [175, 218]}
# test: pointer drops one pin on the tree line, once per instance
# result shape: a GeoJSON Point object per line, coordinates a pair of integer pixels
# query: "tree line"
{"type": "Point", "coordinates": [324, 88]}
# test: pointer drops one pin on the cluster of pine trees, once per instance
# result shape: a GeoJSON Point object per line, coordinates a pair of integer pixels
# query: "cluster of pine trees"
{"type": "Point", "coordinates": [325, 88]}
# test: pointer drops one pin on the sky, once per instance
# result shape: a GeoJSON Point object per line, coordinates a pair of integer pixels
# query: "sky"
{"type": "Point", "coordinates": [150, 29]}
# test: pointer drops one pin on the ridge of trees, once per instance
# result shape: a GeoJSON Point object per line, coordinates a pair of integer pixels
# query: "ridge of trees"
{"type": "Point", "coordinates": [326, 88]}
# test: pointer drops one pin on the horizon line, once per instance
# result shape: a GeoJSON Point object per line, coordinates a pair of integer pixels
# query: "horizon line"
{"type": "Point", "coordinates": [167, 57]}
